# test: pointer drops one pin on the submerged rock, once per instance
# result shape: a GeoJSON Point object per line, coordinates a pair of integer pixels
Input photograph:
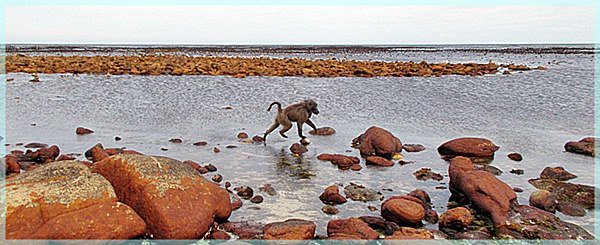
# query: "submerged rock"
{"type": "Point", "coordinates": [379, 161]}
{"type": "Point", "coordinates": [478, 149]}
{"type": "Point", "coordinates": [528, 222]}
{"type": "Point", "coordinates": [200, 143]}
{"type": "Point", "coordinates": [267, 188]}
{"type": "Point", "coordinates": [585, 146]}
{"type": "Point", "coordinates": [66, 201]}
{"type": "Point", "coordinates": [343, 162]}
{"type": "Point", "coordinates": [361, 193]}
{"type": "Point", "coordinates": [377, 141]}
{"type": "Point", "coordinates": [162, 190]}
{"type": "Point", "coordinates": [427, 174]}
{"type": "Point", "coordinates": [413, 147]}
{"type": "Point", "coordinates": [567, 192]}
{"type": "Point", "coordinates": [291, 229]}
{"type": "Point", "coordinates": [322, 131]}
{"type": "Point", "coordinates": [36, 145]}
{"type": "Point", "coordinates": [256, 199]}
{"type": "Point", "coordinates": [330, 210]}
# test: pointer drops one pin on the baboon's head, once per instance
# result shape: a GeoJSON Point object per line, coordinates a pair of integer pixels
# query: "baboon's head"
{"type": "Point", "coordinates": [311, 106]}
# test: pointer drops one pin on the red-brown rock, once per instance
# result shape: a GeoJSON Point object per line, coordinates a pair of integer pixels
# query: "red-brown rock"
{"type": "Point", "coordinates": [585, 146]}
{"type": "Point", "coordinates": [113, 151]}
{"type": "Point", "coordinates": [291, 229]}
{"type": "Point", "coordinates": [82, 131]}
{"type": "Point", "coordinates": [482, 188]}
{"type": "Point", "coordinates": [46, 155]}
{"type": "Point", "coordinates": [244, 230]}
{"type": "Point", "coordinates": [543, 200]}
{"type": "Point", "coordinates": [379, 161]}
{"type": "Point", "coordinates": [352, 227]}
{"type": "Point", "coordinates": [200, 143]}
{"type": "Point", "coordinates": [257, 139]}
{"type": "Point", "coordinates": [162, 191]}
{"type": "Point", "coordinates": [193, 164]}
{"type": "Point", "coordinates": [64, 158]}
{"type": "Point", "coordinates": [404, 211]}
{"type": "Point", "coordinates": [297, 148]}
{"type": "Point", "coordinates": [219, 235]}
{"type": "Point", "coordinates": [413, 147]}
{"type": "Point", "coordinates": [242, 135]}
{"type": "Point", "coordinates": [332, 196]}
{"type": "Point", "coordinates": [557, 173]}
{"type": "Point", "coordinates": [456, 218]}
{"type": "Point", "coordinates": [12, 164]}
{"type": "Point", "coordinates": [515, 157]}
{"type": "Point", "coordinates": [377, 141]}
{"type": "Point", "coordinates": [356, 167]}
{"type": "Point", "coordinates": [66, 201]}
{"type": "Point", "coordinates": [468, 147]}
{"type": "Point", "coordinates": [322, 131]}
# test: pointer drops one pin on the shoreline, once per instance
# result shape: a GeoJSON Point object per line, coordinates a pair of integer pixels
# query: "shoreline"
{"type": "Point", "coordinates": [240, 67]}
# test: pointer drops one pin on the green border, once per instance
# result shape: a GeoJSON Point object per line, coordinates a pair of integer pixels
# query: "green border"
{"type": "Point", "coordinates": [591, 3]}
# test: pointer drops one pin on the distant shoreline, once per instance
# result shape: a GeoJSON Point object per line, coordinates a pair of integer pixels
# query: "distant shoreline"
{"type": "Point", "coordinates": [240, 67]}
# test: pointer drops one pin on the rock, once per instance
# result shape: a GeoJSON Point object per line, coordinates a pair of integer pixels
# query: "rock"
{"type": "Point", "coordinates": [82, 131]}
{"type": "Point", "coordinates": [378, 223]}
{"type": "Point", "coordinates": [585, 146]}
{"type": "Point", "coordinates": [113, 151]}
{"type": "Point", "coordinates": [64, 158]}
{"type": "Point", "coordinates": [517, 171]}
{"type": "Point", "coordinates": [36, 145]}
{"type": "Point", "coordinates": [361, 193]}
{"type": "Point", "coordinates": [244, 192]}
{"type": "Point", "coordinates": [490, 169]}
{"type": "Point", "coordinates": [343, 162]}
{"type": "Point", "coordinates": [427, 174]}
{"type": "Point", "coordinates": [291, 229]}
{"type": "Point", "coordinates": [517, 189]}
{"type": "Point", "coordinates": [192, 164]}
{"type": "Point", "coordinates": [568, 192]}
{"type": "Point", "coordinates": [234, 201]}
{"type": "Point", "coordinates": [421, 195]}
{"type": "Point", "coordinates": [200, 143]}
{"type": "Point", "coordinates": [456, 218]}
{"type": "Point", "coordinates": [431, 215]}
{"type": "Point", "coordinates": [352, 227]}
{"type": "Point", "coordinates": [117, 138]}
{"type": "Point", "coordinates": [227, 184]}
{"type": "Point", "coordinates": [162, 190]}
{"type": "Point", "coordinates": [96, 153]}
{"type": "Point", "coordinates": [402, 211]}
{"type": "Point", "coordinates": [176, 140]}
{"type": "Point", "coordinates": [557, 173]}
{"type": "Point", "coordinates": [244, 230]}
{"type": "Point", "coordinates": [256, 199]}
{"type": "Point", "coordinates": [332, 196]}
{"type": "Point", "coordinates": [268, 189]}
{"type": "Point", "coordinates": [528, 222]}
{"type": "Point", "coordinates": [355, 167]}
{"type": "Point", "coordinates": [305, 141]}
{"type": "Point", "coordinates": [203, 170]}
{"type": "Point", "coordinates": [242, 135]}
{"type": "Point", "coordinates": [44, 155]}
{"type": "Point", "coordinates": [258, 139]}
{"type": "Point", "coordinates": [66, 201]}
{"type": "Point", "coordinates": [164, 149]}
{"type": "Point", "coordinates": [515, 157]}
{"type": "Point", "coordinates": [409, 233]}
{"type": "Point", "coordinates": [330, 210]}
{"type": "Point", "coordinates": [413, 147]}
{"type": "Point", "coordinates": [482, 188]}
{"type": "Point", "coordinates": [298, 148]}
{"type": "Point", "coordinates": [472, 235]}
{"type": "Point", "coordinates": [219, 235]}
{"type": "Point", "coordinates": [211, 168]}
{"type": "Point", "coordinates": [322, 131]}
{"type": "Point", "coordinates": [377, 141]}
{"type": "Point", "coordinates": [216, 150]}
{"type": "Point", "coordinates": [570, 209]}
{"type": "Point", "coordinates": [11, 163]}
{"type": "Point", "coordinates": [217, 178]}
{"type": "Point", "coordinates": [478, 149]}
{"type": "Point", "coordinates": [379, 161]}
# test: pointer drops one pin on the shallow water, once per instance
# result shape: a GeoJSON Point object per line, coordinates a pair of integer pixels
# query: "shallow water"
{"type": "Point", "coordinates": [533, 113]}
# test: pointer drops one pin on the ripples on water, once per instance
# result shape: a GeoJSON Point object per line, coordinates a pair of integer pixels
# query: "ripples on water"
{"type": "Point", "coordinates": [533, 113]}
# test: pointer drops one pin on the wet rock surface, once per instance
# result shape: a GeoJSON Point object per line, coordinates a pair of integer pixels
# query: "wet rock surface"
{"type": "Point", "coordinates": [350, 229]}
{"type": "Point", "coordinates": [377, 223]}
{"type": "Point", "coordinates": [427, 174]}
{"type": "Point", "coordinates": [379, 161]}
{"type": "Point", "coordinates": [361, 193]}
{"type": "Point", "coordinates": [409, 233]}
{"type": "Point", "coordinates": [557, 173]}
{"type": "Point", "coordinates": [65, 200]}
{"type": "Point", "coordinates": [515, 157]}
{"type": "Point", "coordinates": [479, 149]}
{"type": "Point", "coordinates": [413, 147]}
{"type": "Point", "coordinates": [403, 210]}
{"type": "Point", "coordinates": [567, 192]}
{"type": "Point", "coordinates": [585, 146]}
{"type": "Point", "coordinates": [83, 131]}
{"type": "Point", "coordinates": [244, 192]}
{"type": "Point", "coordinates": [161, 190]}
{"type": "Point", "coordinates": [377, 141]}
{"type": "Point", "coordinates": [456, 218]}
{"type": "Point", "coordinates": [528, 222]}
{"type": "Point", "coordinates": [297, 148]}
{"type": "Point", "coordinates": [332, 196]}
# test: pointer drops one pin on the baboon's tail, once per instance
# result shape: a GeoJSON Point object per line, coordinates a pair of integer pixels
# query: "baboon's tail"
{"type": "Point", "coordinates": [275, 103]}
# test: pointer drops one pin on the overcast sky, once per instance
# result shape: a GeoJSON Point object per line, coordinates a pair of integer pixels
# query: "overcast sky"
{"type": "Point", "coordinates": [299, 24]}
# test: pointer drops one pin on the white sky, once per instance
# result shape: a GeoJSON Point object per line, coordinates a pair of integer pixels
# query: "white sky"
{"type": "Point", "coordinates": [298, 24]}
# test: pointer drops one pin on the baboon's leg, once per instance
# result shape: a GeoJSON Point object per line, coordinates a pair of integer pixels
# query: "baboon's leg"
{"type": "Point", "coordinates": [311, 124]}
{"type": "Point", "coordinates": [273, 127]}
{"type": "Point", "coordinates": [299, 124]}
{"type": "Point", "coordinates": [286, 127]}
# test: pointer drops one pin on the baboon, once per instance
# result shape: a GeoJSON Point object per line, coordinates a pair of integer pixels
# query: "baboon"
{"type": "Point", "coordinates": [299, 113]}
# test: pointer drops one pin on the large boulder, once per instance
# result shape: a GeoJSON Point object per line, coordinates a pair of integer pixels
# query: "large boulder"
{"type": "Point", "coordinates": [458, 218]}
{"type": "Point", "coordinates": [585, 146]}
{"type": "Point", "coordinates": [175, 200]}
{"type": "Point", "coordinates": [64, 200]}
{"type": "Point", "coordinates": [528, 222]}
{"type": "Point", "coordinates": [475, 148]}
{"type": "Point", "coordinates": [482, 188]}
{"type": "Point", "coordinates": [377, 141]}
{"type": "Point", "coordinates": [352, 228]}
{"type": "Point", "coordinates": [557, 173]}
{"type": "Point", "coordinates": [409, 233]}
{"type": "Point", "coordinates": [291, 229]}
